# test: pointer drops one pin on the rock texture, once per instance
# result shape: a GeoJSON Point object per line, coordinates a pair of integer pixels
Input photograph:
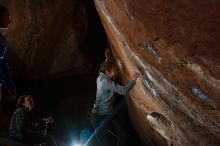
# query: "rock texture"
{"type": "Point", "coordinates": [45, 37]}
{"type": "Point", "coordinates": [175, 46]}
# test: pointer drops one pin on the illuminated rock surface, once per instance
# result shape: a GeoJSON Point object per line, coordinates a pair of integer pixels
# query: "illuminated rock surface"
{"type": "Point", "coordinates": [175, 45]}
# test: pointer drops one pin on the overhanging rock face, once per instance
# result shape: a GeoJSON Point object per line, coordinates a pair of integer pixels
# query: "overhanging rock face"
{"type": "Point", "coordinates": [175, 45]}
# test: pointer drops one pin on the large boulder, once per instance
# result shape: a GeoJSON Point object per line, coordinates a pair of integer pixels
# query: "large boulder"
{"type": "Point", "coordinates": [175, 46]}
{"type": "Point", "coordinates": [45, 37]}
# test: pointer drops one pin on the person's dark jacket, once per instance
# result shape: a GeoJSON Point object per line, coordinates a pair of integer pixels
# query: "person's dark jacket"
{"type": "Point", "coordinates": [5, 74]}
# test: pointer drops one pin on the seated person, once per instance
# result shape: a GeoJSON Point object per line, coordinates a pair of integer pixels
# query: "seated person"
{"type": "Point", "coordinates": [24, 126]}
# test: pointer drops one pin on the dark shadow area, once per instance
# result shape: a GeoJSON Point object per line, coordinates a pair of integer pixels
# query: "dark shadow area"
{"type": "Point", "coordinates": [96, 41]}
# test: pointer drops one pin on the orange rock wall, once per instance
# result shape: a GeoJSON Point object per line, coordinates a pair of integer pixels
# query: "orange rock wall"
{"type": "Point", "coordinates": [175, 46]}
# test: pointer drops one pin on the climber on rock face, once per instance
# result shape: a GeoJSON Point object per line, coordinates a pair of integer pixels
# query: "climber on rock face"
{"type": "Point", "coordinates": [102, 117]}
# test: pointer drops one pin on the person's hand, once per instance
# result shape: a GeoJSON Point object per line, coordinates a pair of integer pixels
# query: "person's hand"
{"type": "Point", "coordinates": [12, 95]}
{"type": "Point", "coordinates": [48, 120]}
{"type": "Point", "coordinates": [107, 53]}
{"type": "Point", "coordinates": [135, 75]}
{"type": "Point", "coordinates": [45, 132]}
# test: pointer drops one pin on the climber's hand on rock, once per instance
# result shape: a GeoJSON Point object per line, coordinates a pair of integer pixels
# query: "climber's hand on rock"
{"type": "Point", "coordinates": [136, 74]}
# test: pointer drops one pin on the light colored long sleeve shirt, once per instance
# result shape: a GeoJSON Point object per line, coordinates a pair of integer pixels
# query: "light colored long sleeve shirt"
{"type": "Point", "coordinates": [105, 91]}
